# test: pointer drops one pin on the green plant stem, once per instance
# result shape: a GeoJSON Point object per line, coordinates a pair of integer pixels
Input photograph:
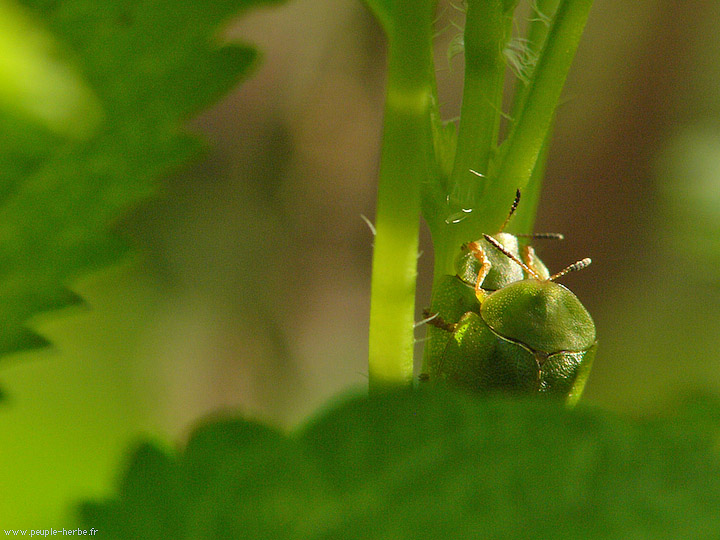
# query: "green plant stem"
{"type": "Point", "coordinates": [485, 37]}
{"type": "Point", "coordinates": [524, 218]}
{"type": "Point", "coordinates": [406, 160]}
{"type": "Point", "coordinates": [487, 30]}
{"type": "Point", "coordinates": [531, 129]}
{"type": "Point", "coordinates": [537, 34]}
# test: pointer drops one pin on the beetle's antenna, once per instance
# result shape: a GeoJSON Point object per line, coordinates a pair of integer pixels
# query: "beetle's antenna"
{"type": "Point", "coordinates": [572, 268]}
{"type": "Point", "coordinates": [542, 236]}
{"type": "Point", "coordinates": [512, 210]}
{"type": "Point", "coordinates": [512, 257]}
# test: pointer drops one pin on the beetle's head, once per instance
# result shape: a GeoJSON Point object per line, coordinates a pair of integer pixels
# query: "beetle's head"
{"type": "Point", "coordinates": [500, 270]}
{"type": "Point", "coordinates": [533, 272]}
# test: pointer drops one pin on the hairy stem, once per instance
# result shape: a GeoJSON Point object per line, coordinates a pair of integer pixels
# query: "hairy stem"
{"type": "Point", "coordinates": [485, 37]}
{"type": "Point", "coordinates": [406, 159]}
{"type": "Point", "coordinates": [530, 131]}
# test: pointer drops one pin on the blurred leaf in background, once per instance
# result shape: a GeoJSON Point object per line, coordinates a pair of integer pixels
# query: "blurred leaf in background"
{"type": "Point", "coordinates": [38, 81]}
{"type": "Point", "coordinates": [151, 66]}
{"type": "Point", "coordinates": [69, 173]}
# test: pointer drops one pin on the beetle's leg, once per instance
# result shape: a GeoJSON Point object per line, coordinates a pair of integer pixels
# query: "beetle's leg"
{"type": "Point", "coordinates": [528, 255]}
{"type": "Point", "coordinates": [437, 321]}
{"type": "Point", "coordinates": [479, 254]}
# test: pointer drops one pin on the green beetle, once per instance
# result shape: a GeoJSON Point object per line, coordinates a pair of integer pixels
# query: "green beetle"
{"type": "Point", "coordinates": [503, 324]}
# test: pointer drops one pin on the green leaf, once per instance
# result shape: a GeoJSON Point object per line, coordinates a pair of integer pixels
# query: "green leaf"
{"type": "Point", "coordinates": [37, 79]}
{"type": "Point", "coordinates": [149, 483]}
{"type": "Point", "coordinates": [427, 465]}
{"type": "Point", "coordinates": [148, 66]}
{"type": "Point", "coordinates": [231, 482]}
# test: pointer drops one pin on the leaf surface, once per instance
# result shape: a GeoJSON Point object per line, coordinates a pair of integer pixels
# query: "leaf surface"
{"type": "Point", "coordinates": [430, 465]}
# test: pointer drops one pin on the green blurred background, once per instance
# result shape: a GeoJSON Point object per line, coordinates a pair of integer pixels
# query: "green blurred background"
{"type": "Point", "coordinates": [250, 285]}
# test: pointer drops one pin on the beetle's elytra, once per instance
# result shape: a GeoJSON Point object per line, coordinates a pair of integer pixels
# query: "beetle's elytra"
{"type": "Point", "coordinates": [503, 324]}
